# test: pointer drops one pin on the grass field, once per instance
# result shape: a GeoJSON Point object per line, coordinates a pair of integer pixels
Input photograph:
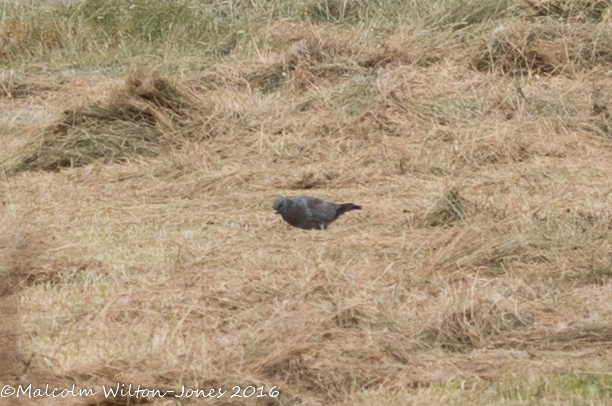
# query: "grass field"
{"type": "Point", "coordinates": [143, 142]}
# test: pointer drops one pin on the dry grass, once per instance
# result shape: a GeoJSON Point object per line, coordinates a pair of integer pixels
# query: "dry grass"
{"type": "Point", "coordinates": [545, 46]}
{"type": "Point", "coordinates": [139, 245]}
{"type": "Point", "coordinates": [145, 116]}
{"type": "Point", "coordinates": [581, 10]}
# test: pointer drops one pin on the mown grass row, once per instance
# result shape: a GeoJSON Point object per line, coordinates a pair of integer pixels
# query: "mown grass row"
{"type": "Point", "coordinates": [99, 32]}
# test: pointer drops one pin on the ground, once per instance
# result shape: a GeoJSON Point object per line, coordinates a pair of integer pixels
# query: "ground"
{"type": "Point", "coordinates": [142, 146]}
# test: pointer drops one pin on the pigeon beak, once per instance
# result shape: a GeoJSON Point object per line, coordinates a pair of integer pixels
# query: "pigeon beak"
{"type": "Point", "coordinates": [277, 212]}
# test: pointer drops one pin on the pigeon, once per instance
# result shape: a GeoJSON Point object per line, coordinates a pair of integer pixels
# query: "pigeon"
{"type": "Point", "coordinates": [308, 213]}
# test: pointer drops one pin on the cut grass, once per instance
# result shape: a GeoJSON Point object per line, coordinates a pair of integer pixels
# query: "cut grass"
{"type": "Point", "coordinates": [545, 47]}
{"type": "Point", "coordinates": [147, 115]}
{"type": "Point", "coordinates": [578, 387]}
{"type": "Point", "coordinates": [139, 245]}
{"type": "Point", "coordinates": [112, 33]}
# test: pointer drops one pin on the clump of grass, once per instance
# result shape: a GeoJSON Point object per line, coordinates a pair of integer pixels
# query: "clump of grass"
{"type": "Point", "coordinates": [336, 10]}
{"type": "Point", "coordinates": [15, 85]}
{"type": "Point", "coordinates": [544, 46]}
{"type": "Point", "coordinates": [149, 114]}
{"type": "Point", "coordinates": [474, 326]}
{"type": "Point", "coordinates": [309, 180]}
{"type": "Point", "coordinates": [575, 10]}
{"type": "Point", "coordinates": [312, 57]}
{"type": "Point", "coordinates": [450, 208]}
{"type": "Point", "coordinates": [462, 13]}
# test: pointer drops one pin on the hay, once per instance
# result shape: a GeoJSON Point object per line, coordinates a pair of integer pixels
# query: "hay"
{"type": "Point", "coordinates": [305, 63]}
{"type": "Point", "coordinates": [576, 10]}
{"type": "Point", "coordinates": [475, 326]}
{"type": "Point", "coordinates": [148, 115]}
{"type": "Point", "coordinates": [447, 210]}
{"type": "Point", "coordinates": [20, 252]}
{"type": "Point", "coordinates": [183, 274]}
{"type": "Point", "coordinates": [544, 46]}
{"type": "Point", "coordinates": [335, 10]}
{"type": "Point", "coordinates": [306, 57]}
{"type": "Point", "coordinates": [13, 85]}
{"type": "Point", "coordinates": [568, 338]}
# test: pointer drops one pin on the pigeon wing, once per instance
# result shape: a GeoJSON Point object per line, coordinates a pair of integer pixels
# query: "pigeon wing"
{"type": "Point", "coordinates": [322, 211]}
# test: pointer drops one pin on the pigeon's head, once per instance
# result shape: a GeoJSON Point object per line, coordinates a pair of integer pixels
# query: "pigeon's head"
{"type": "Point", "coordinates": [280, 205]}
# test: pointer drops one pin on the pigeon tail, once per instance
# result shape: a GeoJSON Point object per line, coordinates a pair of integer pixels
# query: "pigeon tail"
{"type": "Point", "coordinates": [347, 207]}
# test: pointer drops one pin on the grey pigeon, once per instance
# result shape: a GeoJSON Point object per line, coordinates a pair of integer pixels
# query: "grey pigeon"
{"type": "Point", "coordinates": [310, 213]}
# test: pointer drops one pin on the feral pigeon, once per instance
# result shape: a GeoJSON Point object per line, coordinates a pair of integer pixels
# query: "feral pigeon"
{"type": "Point", "coordinates": [309, 213]}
